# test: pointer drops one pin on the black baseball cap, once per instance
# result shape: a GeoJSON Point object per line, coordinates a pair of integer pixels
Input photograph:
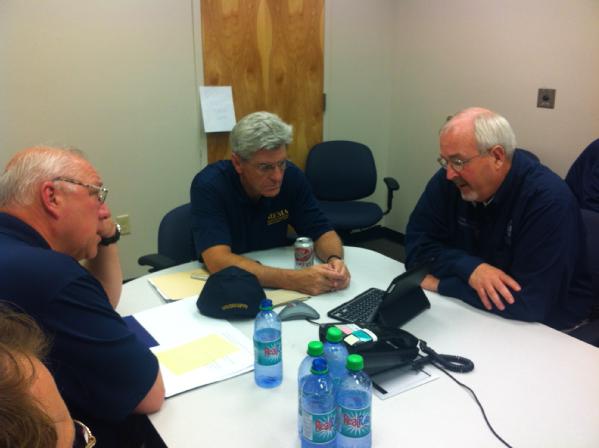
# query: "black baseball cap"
{"type": "Point", "coordinates": [230, 293]}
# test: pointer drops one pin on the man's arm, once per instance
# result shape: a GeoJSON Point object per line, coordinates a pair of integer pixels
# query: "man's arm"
{"type": "Point", "coordinates": [106, 266]}
{"type": "Point", "coordinates": [154, 399]}
{"type": "Point", "coordinates": [315, 280]}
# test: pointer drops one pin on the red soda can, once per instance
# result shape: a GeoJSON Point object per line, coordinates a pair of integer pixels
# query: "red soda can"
{"type": "Point", "coordinates": [304, 252]}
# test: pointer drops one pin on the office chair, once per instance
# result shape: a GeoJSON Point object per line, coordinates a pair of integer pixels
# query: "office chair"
{"type": "Point", "coordinates": [175, 240]}
{"type": "Point", "coordinates": [341, 172]}
{"type": "Point", "coordinates": [590, 331]}
{"type": "Point", "coordinates": [583, 177]}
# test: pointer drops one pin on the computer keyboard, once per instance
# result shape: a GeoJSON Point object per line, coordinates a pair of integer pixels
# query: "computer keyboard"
{"type": "Point", "coordinates": [362, 308]}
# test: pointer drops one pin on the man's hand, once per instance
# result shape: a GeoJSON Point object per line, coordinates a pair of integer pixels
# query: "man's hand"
{"type": "Point", "coordinates": [339, 266]}
{"type": "Point", "coordinates": [107, 227]}
{"type": "Point", "coordinates": [319, 279]}
{"type": "Point", "coordinates": [492, 285]}
{"type": "Point", "coordinates": [430, 283]}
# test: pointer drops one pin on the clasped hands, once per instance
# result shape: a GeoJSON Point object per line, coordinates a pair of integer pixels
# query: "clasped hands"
{"type": "Point", "coordinates": [493, 286]}
{"type": "Point", "coordinates": [323, 278]}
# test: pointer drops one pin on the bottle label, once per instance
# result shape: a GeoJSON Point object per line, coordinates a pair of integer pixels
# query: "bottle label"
{"type": "Point", "coordinates": [268, 353]}
{"type": "Point", "coordinates": [319, 428]}
{"type": "Point", "coordinates": [354, 422]}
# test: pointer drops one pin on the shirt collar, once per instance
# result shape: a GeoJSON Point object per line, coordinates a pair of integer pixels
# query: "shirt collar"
{"type": "Point", "coordinates": [12, 226]}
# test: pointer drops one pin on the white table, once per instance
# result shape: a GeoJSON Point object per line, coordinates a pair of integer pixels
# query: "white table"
{"type": "Point", "coordinates": [539, 387]}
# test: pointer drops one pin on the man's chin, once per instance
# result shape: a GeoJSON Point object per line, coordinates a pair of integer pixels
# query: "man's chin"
{"type": "Point", "coordinates": [271, 193]}
{"type": "Point", "coordinates": [468, 195]}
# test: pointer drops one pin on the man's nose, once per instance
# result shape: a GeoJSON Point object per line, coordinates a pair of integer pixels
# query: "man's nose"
{"type": "Point", "coordinates": [450, 173]}
{"type": "Point", "coordinates": [103, 211]}
{"type": "Point", "coordinates": [277, 174]}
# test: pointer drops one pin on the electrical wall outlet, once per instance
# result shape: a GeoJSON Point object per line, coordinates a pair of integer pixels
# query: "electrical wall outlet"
{"type": "Point", "coordinates": [546, 98]}
{"type": "Point", "coordinates": [123, 221]}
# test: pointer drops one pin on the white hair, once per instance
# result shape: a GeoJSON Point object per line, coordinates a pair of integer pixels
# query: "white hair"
{"type": "Point", "coordinates": [490, 129]}
{"type": "Point", "coordinates": [259, 130]}
{"type": "Point", "coordinates": [29, 168]}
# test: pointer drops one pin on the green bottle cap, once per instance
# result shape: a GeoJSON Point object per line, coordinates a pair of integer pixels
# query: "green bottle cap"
{"type": "Point", "coordinates": [266, 304]}
{"type": "Point", "coordinates": [315, 348]}
{"type": "Point", "coordinates": [334, 334]}
{"type": "Point", "coordinates": [355, 363]}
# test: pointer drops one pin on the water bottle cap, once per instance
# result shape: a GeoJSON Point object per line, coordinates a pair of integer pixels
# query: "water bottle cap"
{"type": "Point", "coordinates": [266, 304]}
{"type": "Point", "coordinates": [319, 366]}
{"type": "Point", "coordinates": [334, 334]}
{"type": "Point", "coordinates": [355, 363]}
{"type": "Point", "coordinates": [315, 348]}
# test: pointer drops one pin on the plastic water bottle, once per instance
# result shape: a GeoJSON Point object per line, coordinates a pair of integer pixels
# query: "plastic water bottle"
{"type": "Point", "coordinates": [335, 352]}
{"type": "Point", "coordinates": [268, 356]}
{"type": "Point", "coordinates": [314, 350]}
{"type": "Point", "coordinates": [319, 411]}
{"type": "Point", "coordinates": [354, 398]}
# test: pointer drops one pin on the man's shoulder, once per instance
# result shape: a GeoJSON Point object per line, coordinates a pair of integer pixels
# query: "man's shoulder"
{"type": "Point", "coordinates": [541, 183]}
{"type": "Point", "coordinates": [32, 275]}
{"type": "Point", "coordinates": [215, 173]}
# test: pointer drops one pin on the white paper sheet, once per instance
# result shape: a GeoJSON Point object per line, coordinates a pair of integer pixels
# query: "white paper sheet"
{"type": "Point", "coordinates": [218, 111]}
{"type": "Point", "coordinates": [178, 328]}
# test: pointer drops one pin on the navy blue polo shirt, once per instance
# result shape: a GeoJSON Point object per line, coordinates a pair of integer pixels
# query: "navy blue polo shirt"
{"type": "Point", "coordinates": [101, 369]}
{"type": "Point", "coordinates": [222, 212]}
{"type": "Point", "coordinates": [532, 230]}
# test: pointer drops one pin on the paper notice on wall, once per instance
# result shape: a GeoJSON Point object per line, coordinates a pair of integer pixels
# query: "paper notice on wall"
{"type": "Point", "coordinates": [218, 111]}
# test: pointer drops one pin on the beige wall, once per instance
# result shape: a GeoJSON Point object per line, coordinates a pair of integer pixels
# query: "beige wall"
{"type": "Point", "coordinates": [495, 54]}
{"type": "Point", "coordinates": [118, 78]}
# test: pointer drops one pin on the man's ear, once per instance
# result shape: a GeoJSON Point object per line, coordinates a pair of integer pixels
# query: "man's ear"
{"type": "Point", "coordinates": [236, 160]}
{"type": "Point", "coordinates": [498, 154]}
{"type": "Point", "coordinates": [51, 198]}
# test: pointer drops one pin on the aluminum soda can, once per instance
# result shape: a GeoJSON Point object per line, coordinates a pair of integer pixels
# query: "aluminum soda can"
{"type": "Point", "coordinates": [304, 252]}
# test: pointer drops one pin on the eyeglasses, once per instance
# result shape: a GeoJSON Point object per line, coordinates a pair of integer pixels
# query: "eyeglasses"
{"type": "Point", "coordinates": [100, 192]}
{"type": "Point", "coordinates": [457, 164]}
{"type": "Point", "coordinates": [268, 168]}
{"type": "Point", "coordinates": [83, 436]}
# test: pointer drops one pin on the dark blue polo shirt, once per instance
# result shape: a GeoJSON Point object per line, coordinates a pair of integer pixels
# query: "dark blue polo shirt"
{"type": "Point", "coordinates": [102, 370]}
{"type": "Point", "coordinates": [532, 230]}
{"type": "Point", "coordinates": [222, 212]}
{"type": "Point", "coordinates": [583, 177]}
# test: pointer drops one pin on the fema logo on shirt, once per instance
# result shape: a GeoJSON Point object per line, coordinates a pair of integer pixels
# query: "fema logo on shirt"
{"type": "Point", "coordinates": [275, 217]}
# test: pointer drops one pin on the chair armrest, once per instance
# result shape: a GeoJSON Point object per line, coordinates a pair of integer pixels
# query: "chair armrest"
{"type": "Point", "coordinates": [156, 261]}
{"type": "Point", "coordinates": [392, 185]}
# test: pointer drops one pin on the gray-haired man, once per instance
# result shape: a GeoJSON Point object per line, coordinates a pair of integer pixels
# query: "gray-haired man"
{"type": "Point", "coordinates": [246, 204]}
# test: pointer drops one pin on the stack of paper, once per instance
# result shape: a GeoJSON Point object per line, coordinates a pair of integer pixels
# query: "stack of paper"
{"type": "Point", "coordinates": [194, 350]}
{"type": "Point", "coordinates": [182, 285]}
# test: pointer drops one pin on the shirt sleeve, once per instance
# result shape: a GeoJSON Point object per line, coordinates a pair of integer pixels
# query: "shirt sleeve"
{"type": "Point", "coordinates": [209, 223]}
{"type": "Point", "coordinates": [100, 366]}
{"type": "Point", "coordinates": [429, 231]}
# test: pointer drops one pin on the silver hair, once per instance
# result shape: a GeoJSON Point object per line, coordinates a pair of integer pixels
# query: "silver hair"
{"type": "Point", "coordinates": [30, 167]}
{"type": "Point", "coordinates": [490, 129]}
{"type": "Point", "coordinates": [259, 130]}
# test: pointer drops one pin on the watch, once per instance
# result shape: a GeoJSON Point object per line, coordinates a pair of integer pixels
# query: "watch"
{"type": "Point", "coordinates": [108, 240]}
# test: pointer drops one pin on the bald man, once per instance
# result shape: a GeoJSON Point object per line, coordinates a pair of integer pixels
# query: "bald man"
{"type": "Point", "coordinates": [504, 232]}
{"type": "Point", "coordinates": [52, 216]}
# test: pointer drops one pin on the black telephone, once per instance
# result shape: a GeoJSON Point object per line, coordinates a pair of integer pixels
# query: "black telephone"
{"type": "Point", "coordinates": [384, 348]}
{"type": "Point", "coordinates": [388, 349]}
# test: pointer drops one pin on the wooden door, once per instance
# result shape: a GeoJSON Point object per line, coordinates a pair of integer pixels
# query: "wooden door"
{"type": "Point", "coordinates": [271, 53]}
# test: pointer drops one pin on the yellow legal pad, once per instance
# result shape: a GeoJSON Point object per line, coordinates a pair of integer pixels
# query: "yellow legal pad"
{"type": "Point", "coordinates": [179, 285]}
{"type": "Point", "coordinates": [195, 354]}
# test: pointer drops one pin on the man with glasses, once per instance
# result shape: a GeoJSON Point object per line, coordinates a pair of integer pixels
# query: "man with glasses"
{"type": "Point", "coordinates": [502, 232]}
{"type": "Point", "coordinates": [247, 203]}
{"type": "Point", "coordinates": [52, 216]}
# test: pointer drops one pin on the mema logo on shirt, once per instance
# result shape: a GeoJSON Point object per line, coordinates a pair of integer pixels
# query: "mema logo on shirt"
{"type": "Point", "coordinates": [275, 217]}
